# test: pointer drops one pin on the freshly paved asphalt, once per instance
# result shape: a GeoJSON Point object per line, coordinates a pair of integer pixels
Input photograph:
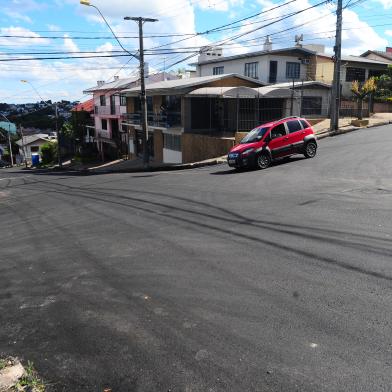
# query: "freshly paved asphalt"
{"type": "Point", "coordinates": [207, 279]}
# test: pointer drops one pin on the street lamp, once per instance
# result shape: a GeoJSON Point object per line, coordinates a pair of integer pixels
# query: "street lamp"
{"type": "Point", "coordinates": [56, 116]}
{"type": "Point", "coordinates": [88, 4]}
{"type": "Point", "coordinates": [9, 139]}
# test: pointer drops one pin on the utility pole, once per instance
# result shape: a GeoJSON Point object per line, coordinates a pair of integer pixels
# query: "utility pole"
{"type": "Point", "coordinates": [141, 21]}
{"type": "Point", "coordinates": [335, 101]}
{"type": "Point", "coordinates": [23, 145]}
{"type": "Point", "coordinates": [10, 145]}
{"type": "Point", "coordinates": [58, 138]}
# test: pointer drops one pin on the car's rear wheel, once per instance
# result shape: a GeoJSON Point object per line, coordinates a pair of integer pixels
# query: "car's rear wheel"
{"type": "Point", "coordinates": [263, 161]}
{"type": "Point", "coordinates": [310, 150]}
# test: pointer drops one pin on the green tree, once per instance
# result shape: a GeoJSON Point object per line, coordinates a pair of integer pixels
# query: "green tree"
{"type": "Point", "coordinates": [361, 91]}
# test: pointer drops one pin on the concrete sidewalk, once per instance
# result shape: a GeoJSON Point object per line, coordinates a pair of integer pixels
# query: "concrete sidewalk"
{"type": "Point", "coordinates": [322, 128]}
{"type": "Point", "coordinates": [136, 165]}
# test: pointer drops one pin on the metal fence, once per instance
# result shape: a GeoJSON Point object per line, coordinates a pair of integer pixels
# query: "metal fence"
{"type": "Point", "coordinates": [169, 120]}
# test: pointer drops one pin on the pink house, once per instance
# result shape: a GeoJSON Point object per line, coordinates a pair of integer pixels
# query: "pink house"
{"type": "Point", "coordinates": [110, 106]}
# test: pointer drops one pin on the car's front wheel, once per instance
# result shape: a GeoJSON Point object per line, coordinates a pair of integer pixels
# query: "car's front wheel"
{"type": "Point", "coordinates": [310, 150]}
{"type": "Point", "coordinates": [263, 161]}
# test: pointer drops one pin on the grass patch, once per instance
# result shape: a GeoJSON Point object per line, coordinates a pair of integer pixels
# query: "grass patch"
{"type": "Point", "coordinates": [3, 363]}
{"type": "Point", "coordinates": [30, 381]}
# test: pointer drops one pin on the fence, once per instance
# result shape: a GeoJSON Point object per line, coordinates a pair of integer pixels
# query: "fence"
{"type": "Point", "coordinates": [169, 120]}
{"type": "Point", "coordinates": [350, 109]}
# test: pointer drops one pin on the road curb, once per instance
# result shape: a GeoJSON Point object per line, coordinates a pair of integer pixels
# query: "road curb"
{"type": "Point", "coordinates": [341, 131]}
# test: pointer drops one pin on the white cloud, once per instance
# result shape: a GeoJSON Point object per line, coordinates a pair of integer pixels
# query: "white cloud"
{"type": "Point", "coordinates": [22, 41]}
{"type": "Point", "coordinates": [385, 3]}
{"type": "Point", "coordinates": [53, 27]}
{"type": "Point", "coordinates": [69, 45]}
{"type": "Point", "coordinates": [18, 16]}
{"type": "Point", "coordinates": [318, 27]}
{"type": "Point", "coordinates": [218, 5]}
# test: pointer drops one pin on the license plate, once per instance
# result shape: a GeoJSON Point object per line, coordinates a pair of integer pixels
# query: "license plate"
{"type": "Point", "coordinates": [231, 161]}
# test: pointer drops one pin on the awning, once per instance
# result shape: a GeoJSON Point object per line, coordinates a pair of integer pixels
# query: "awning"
{"type": "Point", "coordinates": [243, 92]}
{"type": "Point", "coordinates": [274, 92]}
{"type": "Point", "coordinates": [224, 92]}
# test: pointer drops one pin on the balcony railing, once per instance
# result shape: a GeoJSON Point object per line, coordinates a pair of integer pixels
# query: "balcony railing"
{"type": "Point", "coordinates": [169, 120]}
{"type": "Point", "coordinates": [107, 110]}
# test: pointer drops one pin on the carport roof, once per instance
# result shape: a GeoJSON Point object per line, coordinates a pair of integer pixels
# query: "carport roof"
{"type": "Point", "coordinates": [184, 86]}
{"type": "Point", "coordinates": [242, 92]}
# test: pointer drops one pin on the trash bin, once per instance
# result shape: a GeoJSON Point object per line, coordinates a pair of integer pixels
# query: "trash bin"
{"type": "Point", "coordinates": [35, 159]}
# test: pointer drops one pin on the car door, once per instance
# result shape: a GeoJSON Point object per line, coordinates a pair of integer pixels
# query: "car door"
{"type": "Point", "coordinates": [279, 141]}
{"type": "Point", "coordinates": [296, 135]}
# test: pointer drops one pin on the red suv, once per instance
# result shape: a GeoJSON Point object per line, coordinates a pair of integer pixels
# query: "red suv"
{"type": "Point", "coordinates": [278, 139]}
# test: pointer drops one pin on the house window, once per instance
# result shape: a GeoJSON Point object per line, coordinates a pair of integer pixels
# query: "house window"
{"type": "Point", "coordinates": [218, 70]}
{"type": "Point", "coordinates": [123, 100]}
{"type": "Point", "coordinates": [102, 100]}
{"type": "Point", "coordinates": [104, 124]}
{"type": "Point", "coordinates": [251, 70]}
{"type": "Point", "coordinates": [355, 74]}
{"type": "Point", "coordinates": [34, 148]}
{"type": "Point", "coordinates": [293, 70]}
{"type": "Point", "coordinates": [172, 142]}
{"type": "Point", "coordinates": [311, 106]}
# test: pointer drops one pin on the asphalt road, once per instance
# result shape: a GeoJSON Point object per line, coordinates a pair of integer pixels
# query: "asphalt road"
{"type": "Point", "coordinates": [206, 279]}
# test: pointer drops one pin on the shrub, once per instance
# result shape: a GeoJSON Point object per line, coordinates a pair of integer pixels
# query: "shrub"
{"type": "Point", "coordinates": [49, 152]}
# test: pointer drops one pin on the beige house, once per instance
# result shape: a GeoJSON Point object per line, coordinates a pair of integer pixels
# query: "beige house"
{"type": "Point", "coordinates": [197, 118]}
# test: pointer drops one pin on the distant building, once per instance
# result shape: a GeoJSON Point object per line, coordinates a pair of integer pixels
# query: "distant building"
{"type": "Point", "coordinates": [32, 144]}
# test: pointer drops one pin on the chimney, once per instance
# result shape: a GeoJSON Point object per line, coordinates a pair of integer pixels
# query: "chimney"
{"type": "Point", "coordinates": [388, 49]}
{"type": "Point", "coordinates": [100, 83]}
{"type": "Point", "coordinates": [116, 78]}
{"type": "Point", "coordinates": [267, 44]}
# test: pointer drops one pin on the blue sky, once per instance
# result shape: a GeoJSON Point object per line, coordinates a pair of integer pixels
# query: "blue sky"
{"type": "Point", "coordinates": [66, 26]}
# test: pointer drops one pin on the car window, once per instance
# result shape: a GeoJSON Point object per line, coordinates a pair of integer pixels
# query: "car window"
{"type": "Point", "coordinates": [278, 131]}
{"type": "Point", "coordinates": [304, 124]}
{"type": "Point", "coordinates": [254, 135]}
{"type": "Point", "coordinates": [294, 126]}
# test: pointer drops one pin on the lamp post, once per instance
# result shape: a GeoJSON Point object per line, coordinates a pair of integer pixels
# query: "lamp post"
{"type": "Point", "coordinates": [56, 116]}
{"type": "Point", "coordinates": [9, 140]}
{"type": "Point", "coordinates": [88, 4]}
{"type": "Point", "coordinates": [140, 21]}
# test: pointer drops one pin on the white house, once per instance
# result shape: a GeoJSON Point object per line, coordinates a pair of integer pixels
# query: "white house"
{"type": "Point", "coordinates": [32, 144]}
{"type": "Point", "coordinates": [299, 67]}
